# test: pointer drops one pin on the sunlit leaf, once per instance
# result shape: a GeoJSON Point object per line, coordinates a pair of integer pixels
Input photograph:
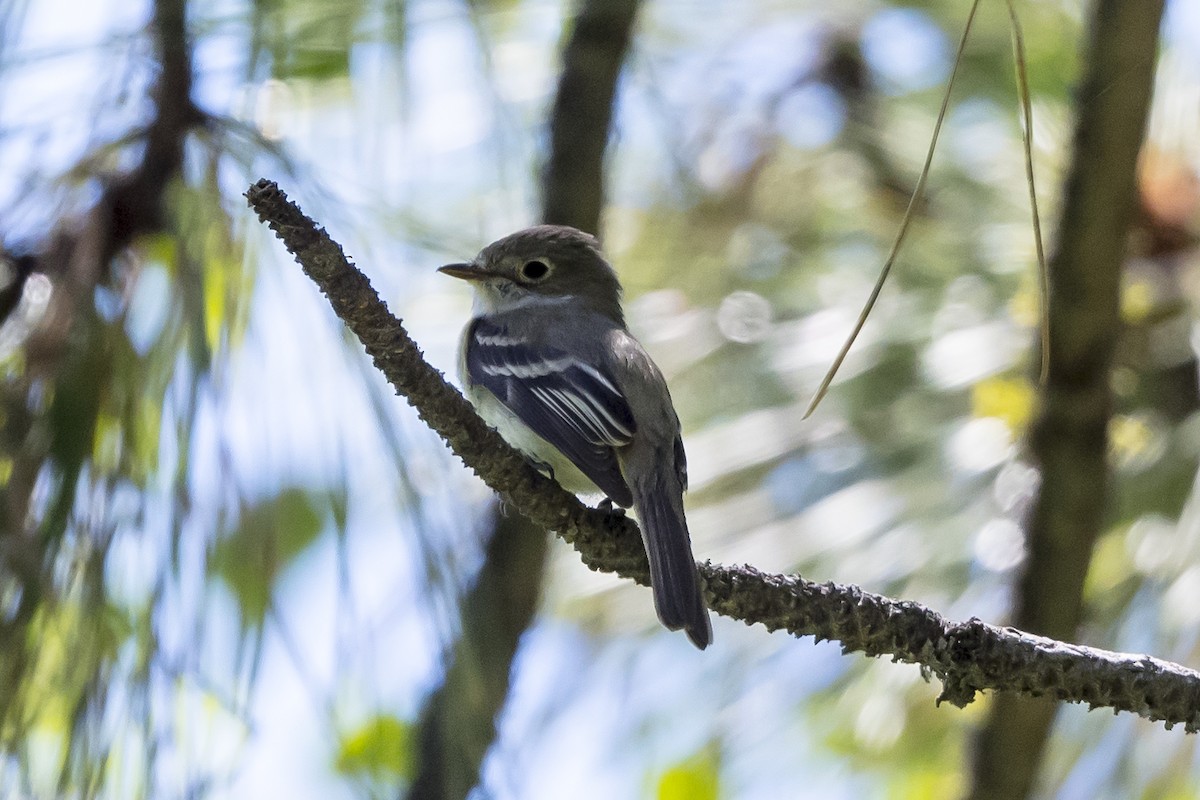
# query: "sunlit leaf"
{"type": "Point", "coordinates": [106, 448]}
{"type": "Point", "coordinates": [380, 748]}
{"type": "Point", "coordinates": [1110, 565]}
{"type": "Point", "coordinates": [697, 778]}
{"type": "Point", "coordinates": [928, 784]}
{"type": "Point", "coordinates": [161, 248]}
{"type": "Point", "coordinates": [215, 276]}
{"type": "Point", "coordinates": [144, 433]}
{"type": "Point", "coordinates": [228, 286]}
{"type": "Point", "coordinates": [1129, 436]}
{"type": "Point", "coordinates": [1137, 301]}
{"type": "Point", "coordinates": [1009, 399]}
{"type": "Point", "coordinates": [69, 641]}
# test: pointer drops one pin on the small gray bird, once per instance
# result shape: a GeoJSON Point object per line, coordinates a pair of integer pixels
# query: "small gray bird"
{"type": "Point", "coordinates": [548, 362]}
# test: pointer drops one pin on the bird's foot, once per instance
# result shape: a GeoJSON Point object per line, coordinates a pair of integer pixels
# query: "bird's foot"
{"type": "Point", "coordinates": [608, 505]}
{"type": "Point", "coordinates": [542, 467]}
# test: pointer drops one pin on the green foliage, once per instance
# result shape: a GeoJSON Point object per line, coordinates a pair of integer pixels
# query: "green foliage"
{"type": "Point", "coordinates": [382, 749]}
{"type": "Point", "coordinates": [801, 226]}
{"type": "Point", "coordinates": [271, 534]}
{"type": "Point", "coordinates": [46, 719]}
{"type": "Point", "coordinates": [695, 778]}
{"type": "Point", "coordinates": [308, 39]}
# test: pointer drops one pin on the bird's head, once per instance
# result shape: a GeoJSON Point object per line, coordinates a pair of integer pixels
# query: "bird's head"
{"type": "Point", "coordinates": [543, 264]}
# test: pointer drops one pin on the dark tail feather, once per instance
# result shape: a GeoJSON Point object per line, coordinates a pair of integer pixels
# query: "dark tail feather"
{"type": "Point", "coordinates": [673, 575]}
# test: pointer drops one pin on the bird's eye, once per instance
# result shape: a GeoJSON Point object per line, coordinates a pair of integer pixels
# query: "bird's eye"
{"type": "Point", "coordinates": [534, 270]}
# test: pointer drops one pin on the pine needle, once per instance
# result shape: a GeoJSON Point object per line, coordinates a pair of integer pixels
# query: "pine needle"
{"type": "Point", "coordinates": [917, 194]}
{"type": "Point", "coordinates": [1018, 41]}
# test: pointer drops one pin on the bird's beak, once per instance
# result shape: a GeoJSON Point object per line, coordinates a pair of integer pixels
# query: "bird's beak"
{"type": "Point", "coordinates": [467, 272]}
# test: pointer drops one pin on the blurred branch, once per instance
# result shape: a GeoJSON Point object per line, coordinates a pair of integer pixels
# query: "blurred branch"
{"type": "Point", "coordinates": [573, 184]}
{"type": "Point", "coordinates": [63, 353]}
{"type": "Point", "coordinates": [135, 203]}
{"type": "Point", "coordinates": [17, 267]}
{"type": "Point", "coordinates": [843, 67]}
{"type": "Point", "coordinates": [1069, 438]}
{"type": "Point", "coordinates": [458, 722]}
{"type": "Point", "coordinates": [967, 657]}
{"type": "Point", "coordinates": [129, 205]}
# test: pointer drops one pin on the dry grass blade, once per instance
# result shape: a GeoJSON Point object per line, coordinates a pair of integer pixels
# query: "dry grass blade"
{"type": "Point", "coordinates": [1018, 40]}
{"type": "Point", "coordinates": [917, 194]}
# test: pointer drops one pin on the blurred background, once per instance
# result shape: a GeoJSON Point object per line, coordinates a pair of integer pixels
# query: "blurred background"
{"type": "Point", "coordinates": [234, 561]}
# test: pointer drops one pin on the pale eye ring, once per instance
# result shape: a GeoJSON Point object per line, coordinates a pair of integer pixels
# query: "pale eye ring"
{"type": "Point", "coordinates": [534, 270]}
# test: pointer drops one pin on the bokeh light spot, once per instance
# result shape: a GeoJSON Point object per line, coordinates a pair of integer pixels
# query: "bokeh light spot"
{"type": "Point", "coordinates": [979, 444]}
{"type": "Point", "coordinates": [744, 317]}
{"type": "Point", "coordinates": [906, 48]}
{"type": "Point", "coordinates": [1000, 545]}
{"type": "Point", "coordinates": [812, 116]}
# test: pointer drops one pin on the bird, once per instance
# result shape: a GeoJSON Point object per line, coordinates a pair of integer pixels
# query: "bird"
{"type": "Point", "coordinates": [548, 361]}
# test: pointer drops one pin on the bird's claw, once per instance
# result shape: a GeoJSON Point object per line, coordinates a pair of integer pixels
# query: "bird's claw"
{"type": "Point", "coordinates": [542, 467]}
{"type": "Point", "coordinates": [608, 505]}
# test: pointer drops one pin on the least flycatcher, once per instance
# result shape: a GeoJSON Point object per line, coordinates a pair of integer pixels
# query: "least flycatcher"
{"type": "Point", "coordinates": [548, 362]}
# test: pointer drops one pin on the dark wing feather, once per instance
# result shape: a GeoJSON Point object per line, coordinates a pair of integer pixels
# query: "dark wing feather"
{"type": "Point", "coordinates": [574, 406]}
{"type": "Point", "coordinates": [681, 463]}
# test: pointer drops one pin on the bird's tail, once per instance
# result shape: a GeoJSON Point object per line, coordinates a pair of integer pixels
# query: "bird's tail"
{"type": "Point", "coordinates": [673, 575]}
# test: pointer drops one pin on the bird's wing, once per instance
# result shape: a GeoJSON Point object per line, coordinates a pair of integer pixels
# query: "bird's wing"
{"type": "Point", "coordinates": [575, 406]}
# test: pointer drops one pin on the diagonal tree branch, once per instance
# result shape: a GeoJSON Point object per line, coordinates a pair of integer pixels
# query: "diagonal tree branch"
{"type": "Point", "coordinates": [967, 657]}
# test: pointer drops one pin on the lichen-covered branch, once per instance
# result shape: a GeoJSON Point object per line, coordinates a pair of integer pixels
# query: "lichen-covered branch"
{"type": "Point", "coordinates": [967, 657]}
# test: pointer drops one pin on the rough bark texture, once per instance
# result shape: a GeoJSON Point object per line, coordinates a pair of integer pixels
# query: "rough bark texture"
{"type": "Point", "coordinates": [1069, 438]}
{"type": "Point", "coordinates": [967, 657]}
